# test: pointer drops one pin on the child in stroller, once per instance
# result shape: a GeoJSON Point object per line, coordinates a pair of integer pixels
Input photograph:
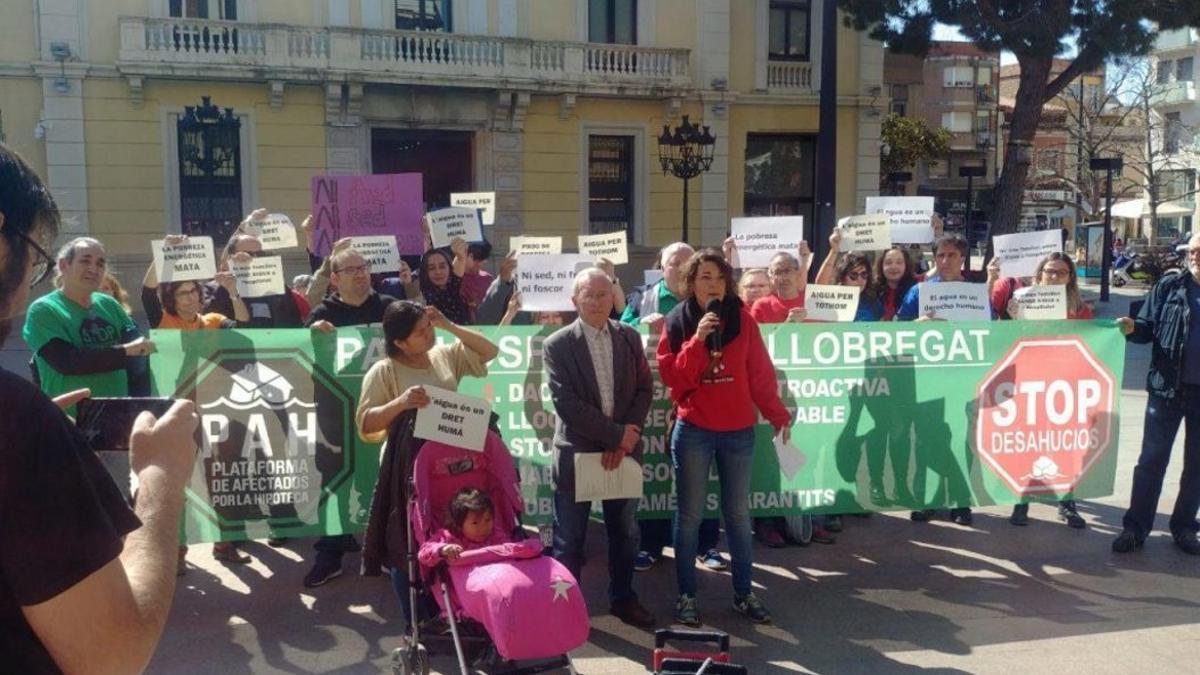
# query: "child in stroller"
{"type": "Point", "coordinates": [465, 517]}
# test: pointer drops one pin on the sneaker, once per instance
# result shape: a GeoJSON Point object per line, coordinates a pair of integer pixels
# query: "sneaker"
{"type": "Point", "coordinates": [1187, 542]}
{"type": "Point", "coordinates": [1066, 511]}
{"type": "Point", "coordinates": [753, 608]}
{"type": "Point", "coordinates": [322, 572]}
{"type": "Point", "coordinates": [643, 561]}
{"type": "Point", "coordinates": [277, 542]}
{"type": "Point", "coordinates": [962, 516]}
{"type": "Point", "coordinates": [833, 523]}
{"type": "Point", "coordinates": [713, 559]}
{"type": "Point", "coordinates": [1020, 515]}
{"type": "Point", "coordinates": [1126, 541]}
{"type": "Point", "coordinates": [923, 516]}
{"type": "Point", "coordinates": [821, 535]}
{"type": "Point", "coordinates": [685, 611]}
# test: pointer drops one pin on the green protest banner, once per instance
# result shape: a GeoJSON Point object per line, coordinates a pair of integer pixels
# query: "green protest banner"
{"type": "Point", "coordinates": [888, 416]}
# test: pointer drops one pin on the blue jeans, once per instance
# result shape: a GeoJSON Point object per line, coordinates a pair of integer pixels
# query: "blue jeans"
{"type": "Point", "coordinates": [1162, 424]}
{"type": "Point", "coordinates": [570, 532]}
{"type": "Point", "coordinates": [692, 452]}
{"type": "Point", "coordinates": [657, 533]}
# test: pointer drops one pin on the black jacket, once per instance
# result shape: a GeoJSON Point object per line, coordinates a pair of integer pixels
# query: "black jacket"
{"type": "Point", "coordinates": [1164, 321]}
{"type": "Point", "coordinates": [386, 541]}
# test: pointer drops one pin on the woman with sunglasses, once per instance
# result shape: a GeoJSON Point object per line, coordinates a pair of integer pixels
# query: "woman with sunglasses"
{"type": "Point", "coordinates": [1056, 269]}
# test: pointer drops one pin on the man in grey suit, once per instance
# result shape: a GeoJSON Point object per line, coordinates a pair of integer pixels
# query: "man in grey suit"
{"type": "Point", "coordinates": [601, 386]}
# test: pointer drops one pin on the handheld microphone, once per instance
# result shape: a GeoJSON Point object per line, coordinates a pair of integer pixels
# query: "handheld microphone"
{"type": "Point", "coordinates": [714, 339]}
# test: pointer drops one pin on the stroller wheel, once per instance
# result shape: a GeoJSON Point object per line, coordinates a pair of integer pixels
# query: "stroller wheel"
{"type": "Point", "coordinates": [410, 661]}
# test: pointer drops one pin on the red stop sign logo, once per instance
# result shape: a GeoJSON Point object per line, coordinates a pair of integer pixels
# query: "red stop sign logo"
{"type": "Point", "coordinates": [1045, 415]}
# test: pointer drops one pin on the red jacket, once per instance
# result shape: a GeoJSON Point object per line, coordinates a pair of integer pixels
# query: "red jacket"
{"type": "Point", "coordinates": [726, 399]}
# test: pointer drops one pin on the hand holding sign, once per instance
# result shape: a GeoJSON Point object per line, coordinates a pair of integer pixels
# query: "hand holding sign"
{"type": "Point", "coordinates": [183, 259]}
{"type": "Point", "coordinates": [544, 281]}
{"type": "Point", "coordinates": [380, 252]}
{"type": "Point", "coordinates": [955, 301]}
{"type": "Point", "coordinates": [612, 246]}
{"type": "Point", "coordinates": [259, 277]}
{"type": "Point", "coordinates": [453, 419]}
{"type": "Point", "coordinates": [1021, 253]}
{"type": "Point", "coordinates": [870, 232]}
{"type": "Point", "coordinates": [275, 231]}
{"type": "Point", "coordinates": [911, 217]}
{"type": "Point", "coordinates": [446, 225]}
{"type": "Point", "coordinates": [1039, 303]}
{"type": "Point", "coordinates": [831, 303]}
{"type": "Point", "coordinates": [759, 239]}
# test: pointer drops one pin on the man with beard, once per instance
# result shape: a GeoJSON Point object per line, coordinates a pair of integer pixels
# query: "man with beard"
{"type": "Point", "coordinates": [85, 583]}
{"type": "Point", "coordinates": [1170, 320]}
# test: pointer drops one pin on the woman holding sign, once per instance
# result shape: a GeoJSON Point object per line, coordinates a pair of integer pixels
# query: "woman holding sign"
{"type": "Point", "coordinates": [1056, 269]}
{"type": "Point", "coordinates": [396, 383]}
{"type": "Point", "coordinates": [713, 360]}
{"type": "Point", "coordinates": [441, 282]}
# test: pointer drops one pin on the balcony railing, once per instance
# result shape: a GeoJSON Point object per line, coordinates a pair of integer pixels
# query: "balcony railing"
{"type": "Point", "coordinates": [1183, 38]}
{"type": "Point", "coordinates": [790, 77]}
{"type": "Point", "coordinates": [191, 47]}
{"type": "Point", "coordinates": [1174, 93]}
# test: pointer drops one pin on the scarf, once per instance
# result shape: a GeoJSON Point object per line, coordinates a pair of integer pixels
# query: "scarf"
{"type": "Point", "coordinates": [449, 298]}
{"type": "Point", "coordinates": [685, 318]}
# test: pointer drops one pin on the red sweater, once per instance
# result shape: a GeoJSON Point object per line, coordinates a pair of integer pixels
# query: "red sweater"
{"type": "Point", "coordinates": [725, 400]}
{"type": "Point", "coordinates": [774, 309]}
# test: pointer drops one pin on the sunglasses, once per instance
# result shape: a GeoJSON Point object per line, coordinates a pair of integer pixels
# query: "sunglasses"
{"type": "Point", "coordinates": [41, 268]}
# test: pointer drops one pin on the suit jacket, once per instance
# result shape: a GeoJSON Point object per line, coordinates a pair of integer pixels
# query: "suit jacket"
{"type": "Point", "coordinates": [581, 425]}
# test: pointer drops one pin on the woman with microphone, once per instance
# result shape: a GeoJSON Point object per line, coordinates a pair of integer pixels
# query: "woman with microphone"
{"type": "Point", "coordinates": [712, 358]}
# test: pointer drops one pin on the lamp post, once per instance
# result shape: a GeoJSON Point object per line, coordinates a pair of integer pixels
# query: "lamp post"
{"type": "Point", "coordinates": [685, 154]}
{"type": "Point", "coordinates": [1108, 165]}
{"type": "Point", "coordinates": [970, 173]}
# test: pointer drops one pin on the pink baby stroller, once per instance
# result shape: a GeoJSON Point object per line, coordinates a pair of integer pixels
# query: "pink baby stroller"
{"type": "Point", "coordinates": [526, 606]}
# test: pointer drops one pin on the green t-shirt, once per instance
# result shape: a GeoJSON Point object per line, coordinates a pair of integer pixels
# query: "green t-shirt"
{"type": "Point", "coordinates": [666, 302]}
{"type": "Point", "coordinates": [55, 316]}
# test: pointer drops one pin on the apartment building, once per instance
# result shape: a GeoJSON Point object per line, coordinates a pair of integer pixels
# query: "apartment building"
{"type": "Point", "coordinates": [1176, 61]}
{"type": "Point", "coordinates": [153, 116]}
{"type": "Point", "coordinates": [954, 87]}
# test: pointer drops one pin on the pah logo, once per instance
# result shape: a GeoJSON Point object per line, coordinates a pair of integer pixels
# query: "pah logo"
{"type": "Point", "coordinates": [274, 437]}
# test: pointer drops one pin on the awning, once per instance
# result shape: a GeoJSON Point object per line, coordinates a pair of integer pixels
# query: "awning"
{"type": "Point", "coordinates": [1136, 208]}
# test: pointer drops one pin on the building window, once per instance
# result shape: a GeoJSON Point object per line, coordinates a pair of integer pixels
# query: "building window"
{"type": "Point", "coordinates": [956, 122]}
{"type": "Point", "coordinates": [1183, 69]}
{"type": "Point", "coordinates": [958, 76]}
{"type": "Point", "coordinates": [210, 171]}
{"type": "Point", "coordinates": [780, 177]}
{"type": "Point", "coordinates": [1172, 132]}
{"type": "Point", "coordinates": [789, 30]}
{"type": "Point", "coordinates": [610, 184]}
{"type": "Point", "coordinates": [200, 9]}
{"type": "Point", "coordinates": [612, 22]}
{"type": "Point", "coordinates": [446, 160]}
{"type": "Point", "coordinates": [1176, 184]}
{"type": "Point", "coordinates": [1164, 71]}
{"type": "Point", "coordinates": [426, 15]}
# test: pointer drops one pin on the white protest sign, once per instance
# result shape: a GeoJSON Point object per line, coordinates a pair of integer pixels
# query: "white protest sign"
{"type": "Point", "coordinates": [759, 239]}
{"type": "Point", "coordinates": [870, 232]}
{"type": "Point", "coordinates": [535, 245]}
{"type": "Point", "coordinates": [651, 277]}
{"type": "Point", "coordinates": [956, 301]}
{"type": "Point", "coordinates": [192, 260]}
{"type": "Point", "coordinates": [454, 419]}
{"type": "Point", "coordinates": [477, 200]}
{"type": "Point", "coordinates": [831, 303]}
{"type": "Point", "coordinates": [593, 481]}
{"type": "Point", "coordinates": [1019, 254]}
{"type": "Point", "coordinates": [276, 231]}
{"type": "Point", "coordinates": [381, 252]}
{"type": "Point", "coordinates": [612, 246]}
{"type": "Point", "coordinates": [261, 276]}
{"type": "Point", "coordinates": [791, 460]}
{"type": "Point", "coordinates": [544, 281]}
{"type": "Point", "coordinates": [446, 224]}
{"type": "Point", "coordinates": [1041, 303]}
{"type": "Point", "coordinates": [912, 217]}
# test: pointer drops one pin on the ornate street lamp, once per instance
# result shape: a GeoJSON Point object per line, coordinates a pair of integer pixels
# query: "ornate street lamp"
{"type": "Point", "coordinates": [685, 154]}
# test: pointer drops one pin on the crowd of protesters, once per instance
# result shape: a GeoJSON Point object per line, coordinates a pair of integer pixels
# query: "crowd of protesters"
{"type": "Point", "coordinates": [711, 358]}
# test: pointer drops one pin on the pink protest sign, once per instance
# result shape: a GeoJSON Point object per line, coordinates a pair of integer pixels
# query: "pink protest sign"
{"type": "Point", "coordinates": [363, 206]}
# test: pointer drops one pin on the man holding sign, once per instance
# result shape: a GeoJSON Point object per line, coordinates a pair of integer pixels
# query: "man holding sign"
{"type": "Point", "coordinates": [278, 310]}
{"type": "Point", "coordinates": [601, 386]}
